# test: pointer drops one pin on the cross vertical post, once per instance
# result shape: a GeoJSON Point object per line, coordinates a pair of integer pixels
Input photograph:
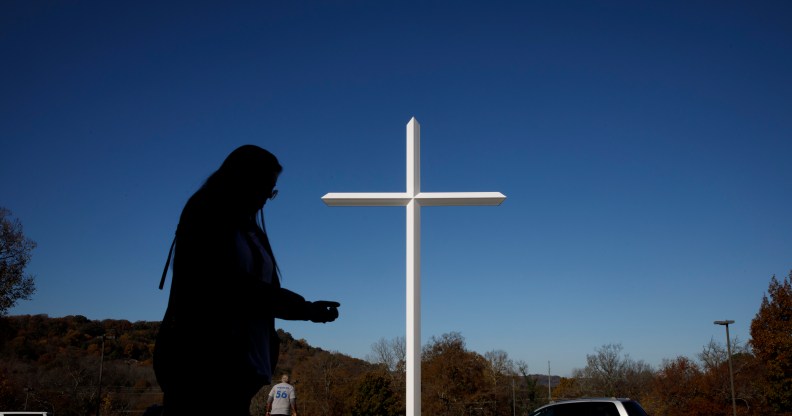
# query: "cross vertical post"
{"type": "Point", "coordinates": [413, 199]}
{"type": "Point", "coordinates": [413, 350]}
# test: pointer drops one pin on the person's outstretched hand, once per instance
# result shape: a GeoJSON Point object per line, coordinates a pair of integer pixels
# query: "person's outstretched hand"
{"type": "Point", "coordinates": [323, 311]}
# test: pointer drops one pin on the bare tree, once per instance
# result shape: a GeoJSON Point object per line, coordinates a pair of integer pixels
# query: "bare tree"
{"type": "Point", "coordinates": [15, 251]}
{"type": "Point", "coordinates": [390, 353]}
{"type": "Point", "coordinates": [609, 373]}
{"type": "Point", "coordinates": [714, 354]}
{"type": "Point", "coordinates": [499, 366]}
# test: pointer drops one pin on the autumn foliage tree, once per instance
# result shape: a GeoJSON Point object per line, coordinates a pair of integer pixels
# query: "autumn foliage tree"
{"type": "Point", "coordinates": [453, 377]}
{"type": "Point", "coordinates": [375, 396]}
{"type": "Point", "coordinates": [677, 389]}
{"type": "Point", "coordinates": [15, 250]}
{"type": "Point", "coordinates": [771, 339]}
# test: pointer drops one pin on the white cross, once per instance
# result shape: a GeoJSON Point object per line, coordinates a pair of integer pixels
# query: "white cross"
{"type": "Point", "coordinates": [413, 199]}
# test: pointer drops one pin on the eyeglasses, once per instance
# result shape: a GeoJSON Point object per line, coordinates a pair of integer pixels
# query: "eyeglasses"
{"type": "Point", "coordinates": [273, 194]}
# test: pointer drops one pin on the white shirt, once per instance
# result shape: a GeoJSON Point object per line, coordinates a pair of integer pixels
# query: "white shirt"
{"type": "Point", "coordinates": [282, 395]}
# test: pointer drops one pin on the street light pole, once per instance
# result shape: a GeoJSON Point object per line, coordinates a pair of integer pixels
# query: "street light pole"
{"type": "Point", "coordinates": [731, 371]}
{"type": "Point", "coordinates": [101, 365]}
{"type": "Point", "coordinates": [514, 400]}
{"type": "Point", "coordinates": [549, 382]}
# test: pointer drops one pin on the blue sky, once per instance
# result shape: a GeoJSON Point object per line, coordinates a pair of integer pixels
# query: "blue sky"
{"type": "Point", "coordinates": [643, 147]}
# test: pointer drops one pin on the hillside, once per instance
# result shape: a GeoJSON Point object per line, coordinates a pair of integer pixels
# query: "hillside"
{"type": "Point", "coordinates": [53, 363]}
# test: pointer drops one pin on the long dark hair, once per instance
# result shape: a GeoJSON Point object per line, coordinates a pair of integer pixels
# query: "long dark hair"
{"type": "Point", "coordinates": [235, 192]}
{"type": "Point", "coordinates": [241, 181]}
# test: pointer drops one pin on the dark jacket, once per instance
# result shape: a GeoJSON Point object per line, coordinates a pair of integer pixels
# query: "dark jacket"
{"type": "Point", "coordinates": [213, 304]}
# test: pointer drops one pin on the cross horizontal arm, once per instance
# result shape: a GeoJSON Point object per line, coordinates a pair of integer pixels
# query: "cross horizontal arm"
{"type": "Point", "coordinates": [355, 199]}
{"type": "Point", "coordinates": [445, 199]}
{"type": "Point", "coordinates": [400, 199]}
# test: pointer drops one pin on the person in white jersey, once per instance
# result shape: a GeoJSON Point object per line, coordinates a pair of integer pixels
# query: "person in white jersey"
{"type": "Point", "coordinates": [282, 399]}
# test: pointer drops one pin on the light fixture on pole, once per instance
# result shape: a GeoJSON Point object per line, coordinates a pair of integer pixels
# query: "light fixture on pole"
{"type": "Point", "coordinates": [731, 371]}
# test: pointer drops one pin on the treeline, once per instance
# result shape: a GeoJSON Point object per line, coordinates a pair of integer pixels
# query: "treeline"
{"type": "Point", "coordinates": [53, 364]}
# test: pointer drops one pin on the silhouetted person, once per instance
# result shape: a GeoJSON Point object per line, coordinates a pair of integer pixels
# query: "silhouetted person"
{"type": "Point", "coordinates": [282, 399]}
{"type": "Point", "coordinates": [217, 345]}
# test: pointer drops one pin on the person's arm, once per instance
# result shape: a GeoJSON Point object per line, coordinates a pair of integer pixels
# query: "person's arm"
{"type": "Point", "coordinates": [291, 306]}
{"type": "Point", "coordinates": [293, 403]}
{"type": "Point", "coordinates": [269, 403]}
{"type": "Point", "coordinates": [215, 275]}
